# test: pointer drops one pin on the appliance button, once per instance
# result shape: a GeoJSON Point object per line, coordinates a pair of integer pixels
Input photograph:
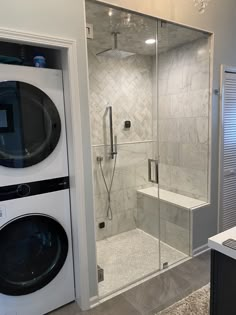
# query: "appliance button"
{"type": "Point", "coordinates": [2, 212]}
{"type": "Point", "coordinates": [23, 190]}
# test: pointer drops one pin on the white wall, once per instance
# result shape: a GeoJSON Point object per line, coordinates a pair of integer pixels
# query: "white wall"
{"type": "Point", "coordinates": [66, 19]}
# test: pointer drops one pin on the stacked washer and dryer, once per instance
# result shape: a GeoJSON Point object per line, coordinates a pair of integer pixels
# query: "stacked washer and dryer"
{"type": "Point", "coordinates": [36, 263]}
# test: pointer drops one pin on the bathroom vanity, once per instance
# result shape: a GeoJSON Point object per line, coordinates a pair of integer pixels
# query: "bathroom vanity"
{"type": "Point", "coordinates": [223, 274]}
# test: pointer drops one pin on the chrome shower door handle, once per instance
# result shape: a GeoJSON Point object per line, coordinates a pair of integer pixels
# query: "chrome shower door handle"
{"type": "Point", "coordinates": [153, 171]}
{"type": "Point", "coordinates": [115, 145]}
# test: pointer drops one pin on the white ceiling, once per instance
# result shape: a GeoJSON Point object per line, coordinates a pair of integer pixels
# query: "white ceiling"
{"type": "Point", "coordinates": [134, 30]}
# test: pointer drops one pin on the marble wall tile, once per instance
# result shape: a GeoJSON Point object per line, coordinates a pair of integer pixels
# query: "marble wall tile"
{"type": "Point", "coordinates": [200, 76]}
{"type": "Point", "coordinates": [130, 198]}
{"type": "Point", "coordinates": [150, 149]}
{"type": "Point", "coordinates": [117, 202]}
{"type": "Point", "coordinates": [155, 130]}
{"type": "Point", "coordinates": [141, 174]}
{"type": "Point", "coordinates": [123, 222]}
{"type": "Point", "coordinates": [174, 214]}
{"type": "Point", "coordinates": [180, 105]}
{"type": "Point", "coordinates": [103, 233]}
{"type": "Point", "coordinates": [169, 153]}
{"type": "Point", "coordinates": [148, 216]}
{"type": "Point", "coordinates": [165, 63]}
{"type": "Point", "coordinates": [199, 103]}
{"type": "Point", "coordinates": [155, 151]}
{"type": "Point", "coordinates": [169, 130]}
{"type": "Point", "coordinates": [164, 106]}
{"type": "Point", "coordinates": [118, 180]}
{"type": "Point", "coordinates": [188, 130]}
{"type": "Point", "coordinates": [175, 80]}
{"type": "Point", "coordinates": [184, 117]}
{"type": "Point", "coordinates": [163, 87]}
{"type": "Point", "coordinates": [127, 86]}
{"type": "Point", "coordinates": [131, 154]}
{"type": "Point", "coordinates": [165, 175]}
{"type": "Point", "coordinates": [167, 222]}
{"type": "Point", "coordinates": [185, 104]}
{"type": "Point", "coordinates": [175, 236]}
{"type": "Point", "coordinates": [99, 186]}
{"type": "Point", "coordinates": [194, 156]}
{"type": "Point", "coordinates": [189, 181]}
{"type": "Point", "coordinates": [101, 204]}
{"type": "Point", "coordinates": [202, 125]}
{"type": "Point", "coordinates": [128, 174]}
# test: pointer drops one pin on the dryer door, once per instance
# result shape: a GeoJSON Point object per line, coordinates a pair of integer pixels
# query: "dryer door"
{"type": "Point", "coordinates": [30, 124]}
{"type": "Point", "coordinates": [33, 249]}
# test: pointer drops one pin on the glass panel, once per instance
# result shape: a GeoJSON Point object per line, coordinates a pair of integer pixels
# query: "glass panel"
{"type": "Point", "coordinates": [29, 124]}
{"type": "Point", "coordinates": [183, 118]}
{"type": "Point", "coordinates": [33, 249]}
{"type": "Point", "coordinates": [123, 109]}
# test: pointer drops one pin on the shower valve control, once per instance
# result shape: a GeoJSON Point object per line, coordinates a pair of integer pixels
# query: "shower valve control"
{"type": "Point", "coordinates": [127, 124]}
{"type": "Point", "coordinates": [101, 225]}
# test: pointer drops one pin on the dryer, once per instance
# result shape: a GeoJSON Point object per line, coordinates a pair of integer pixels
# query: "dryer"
{"type": "Point", "coordinates": [32, 125]}
{"type": "Point", "coordinates": [36, 265]}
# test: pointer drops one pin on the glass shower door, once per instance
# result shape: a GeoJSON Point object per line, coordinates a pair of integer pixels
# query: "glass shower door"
{"type": "Point", "coordinates": [123, 112]}
{"type": "Point", "coordinates": [183, 136]}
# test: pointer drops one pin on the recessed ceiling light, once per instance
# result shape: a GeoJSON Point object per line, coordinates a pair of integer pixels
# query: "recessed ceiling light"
{"type": "Point", "coordinates": [150, 41]}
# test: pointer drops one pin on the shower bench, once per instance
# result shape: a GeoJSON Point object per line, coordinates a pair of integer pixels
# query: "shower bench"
{"type": "Point", "coordinates": [175, 219]}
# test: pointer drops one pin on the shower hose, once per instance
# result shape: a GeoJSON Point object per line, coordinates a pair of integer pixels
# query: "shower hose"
{"type": "Point", "coordinates": [108, 187]}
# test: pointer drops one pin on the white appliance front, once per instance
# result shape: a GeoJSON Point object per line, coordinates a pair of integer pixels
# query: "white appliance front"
{"type": "Point", "coordinates": [60, 290]}
{"type": "Point", "coordinates": [32, 125]}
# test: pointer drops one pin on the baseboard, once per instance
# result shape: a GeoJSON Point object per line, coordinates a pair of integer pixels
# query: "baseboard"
{"type": "Point", "coordinates": [200, 250]}
{"type": "Point", "coordinates": [94, 301]}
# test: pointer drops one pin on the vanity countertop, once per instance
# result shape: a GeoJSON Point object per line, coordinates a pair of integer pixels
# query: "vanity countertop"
{"type": "Point", "coordinates": [216, 241]}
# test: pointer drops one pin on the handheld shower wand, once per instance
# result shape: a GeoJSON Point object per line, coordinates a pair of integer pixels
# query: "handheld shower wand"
{"type": "Point", "coordinates": [112, 155]}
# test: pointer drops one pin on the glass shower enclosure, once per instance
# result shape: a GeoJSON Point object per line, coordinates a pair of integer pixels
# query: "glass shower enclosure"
{"type": "Point", "coordinates": [149, 96]}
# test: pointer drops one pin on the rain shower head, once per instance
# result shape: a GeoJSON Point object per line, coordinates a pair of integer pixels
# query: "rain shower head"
{"type": "Point", "coordinates": [115, 52]}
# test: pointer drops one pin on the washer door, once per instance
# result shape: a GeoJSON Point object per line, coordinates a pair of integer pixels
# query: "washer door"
{"type": "Point", "coordinates": [30, 124]}
{"type": "Point", "coordinates": [33, 249]}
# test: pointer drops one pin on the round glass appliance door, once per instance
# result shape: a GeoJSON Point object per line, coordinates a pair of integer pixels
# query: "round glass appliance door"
{"type": "Point", "coordinates": [30, 125]}
{"type": "Point", "coordinates": [33, 249]}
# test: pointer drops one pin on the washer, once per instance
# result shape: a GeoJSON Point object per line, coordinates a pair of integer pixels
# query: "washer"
{"type": "Point", "coordinates": [36, 265]}
{"type": "Point", "coordinates": [32, 125]}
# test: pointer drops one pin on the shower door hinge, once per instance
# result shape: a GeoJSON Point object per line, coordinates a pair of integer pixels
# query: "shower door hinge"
{"type": "Point", "coordinates": [100, 274]}
{"type": "Point", "coordinates": [89, 30]}
{"type": "Point", "coordinates": [216, 92]}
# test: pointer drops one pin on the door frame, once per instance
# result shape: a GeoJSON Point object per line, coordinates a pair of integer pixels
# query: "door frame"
{"type": "Point", "coordinates": [70, 69]}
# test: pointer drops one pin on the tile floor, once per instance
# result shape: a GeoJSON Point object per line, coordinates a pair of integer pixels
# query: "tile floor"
{"type": "Point", "coordinates": [154, 295]}
{"type": "Point", "coordinates": [131, 256]}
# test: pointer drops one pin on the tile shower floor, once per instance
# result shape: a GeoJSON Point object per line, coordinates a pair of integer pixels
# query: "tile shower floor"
{"type": "Point", "coordinates": [131, 256]}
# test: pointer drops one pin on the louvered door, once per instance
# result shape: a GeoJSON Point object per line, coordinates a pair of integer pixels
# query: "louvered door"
{"type": "Point", "coordinates": [228, 159]}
